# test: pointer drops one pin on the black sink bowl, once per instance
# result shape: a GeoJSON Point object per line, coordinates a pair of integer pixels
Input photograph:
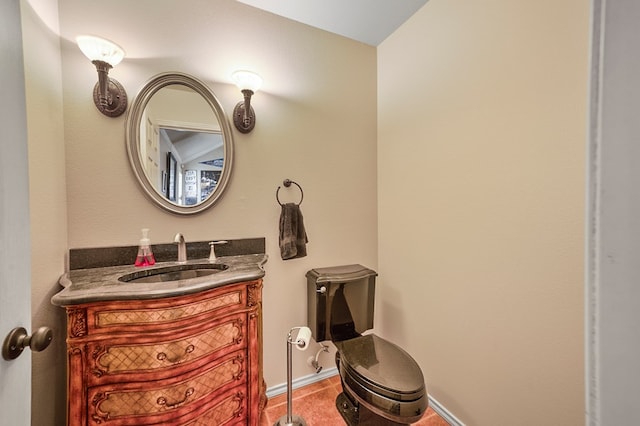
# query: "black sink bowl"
{"type": "Point", "coordinates": [173, 273]}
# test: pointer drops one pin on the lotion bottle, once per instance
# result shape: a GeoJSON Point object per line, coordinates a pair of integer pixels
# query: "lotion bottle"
{"type": "Point", "coordinates": [145, 255]}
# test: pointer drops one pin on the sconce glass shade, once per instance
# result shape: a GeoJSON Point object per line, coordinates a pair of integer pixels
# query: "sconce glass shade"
{"type": "Point", "coordinates": [247, 80]}
{"type": "Point", "coordinates": [109, 95]}
{"type": "Point", "coordinates": [99, 49]}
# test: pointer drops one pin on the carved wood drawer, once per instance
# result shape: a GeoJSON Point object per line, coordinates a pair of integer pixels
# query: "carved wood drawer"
{"type": "Point", "coordinates": [187, 396]}
{"type": "Point", "coordinates": [107, 317]}
{"type": "Point", "coordinates": [230, 408]}
{"type": "Point", "coordinates": [154, 352]}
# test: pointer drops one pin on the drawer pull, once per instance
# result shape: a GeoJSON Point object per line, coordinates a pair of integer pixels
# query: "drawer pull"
{"type": "Point", "coordinates": [163, 401]}
{"type": "Point", "coordinates": [163, 356]}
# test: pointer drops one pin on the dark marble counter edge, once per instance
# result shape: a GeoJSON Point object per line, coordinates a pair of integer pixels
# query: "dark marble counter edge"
{"type": "Point", "coordinates": [102, 284]}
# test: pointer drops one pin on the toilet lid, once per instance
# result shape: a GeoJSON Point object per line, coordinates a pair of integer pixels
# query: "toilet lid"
{"type": "Point", "coordinates": [382, 367]}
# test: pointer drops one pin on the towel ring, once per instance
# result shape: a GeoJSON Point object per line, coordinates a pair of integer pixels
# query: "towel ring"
{"type": "Point", "coordinates": [287, 183]}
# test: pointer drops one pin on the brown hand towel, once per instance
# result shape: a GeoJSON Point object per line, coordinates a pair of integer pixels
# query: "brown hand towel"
{"type": "Point", "coordinates": [293, 237]}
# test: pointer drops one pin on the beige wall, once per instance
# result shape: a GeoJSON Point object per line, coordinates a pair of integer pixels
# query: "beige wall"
{"type": "Point", "coordinates": [47, 198]}
{"type": "Point", "coordinates": [481, 186]}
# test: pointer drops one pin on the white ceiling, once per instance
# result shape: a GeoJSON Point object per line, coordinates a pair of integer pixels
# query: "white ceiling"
{"type": "Point", "coordinates": [367, 21]}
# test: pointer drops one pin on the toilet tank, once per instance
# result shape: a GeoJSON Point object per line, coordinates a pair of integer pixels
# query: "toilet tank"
{"type": "Point", "coordinates": [359, 292]}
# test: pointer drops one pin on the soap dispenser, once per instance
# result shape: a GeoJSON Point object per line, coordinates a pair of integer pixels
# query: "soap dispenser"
{"type": "Point", "coordinates": [145, 255]}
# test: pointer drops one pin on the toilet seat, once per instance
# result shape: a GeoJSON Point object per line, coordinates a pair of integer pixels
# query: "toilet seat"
{"type": "Point", "coordinates": [384, 376]}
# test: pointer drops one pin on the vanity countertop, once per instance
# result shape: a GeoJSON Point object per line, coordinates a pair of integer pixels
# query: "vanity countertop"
{"type": "Point", "coordinates": [102, 284]}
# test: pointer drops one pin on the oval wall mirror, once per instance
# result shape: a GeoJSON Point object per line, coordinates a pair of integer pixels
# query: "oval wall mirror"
{"type": "Point", "coordinates": [179, 143]}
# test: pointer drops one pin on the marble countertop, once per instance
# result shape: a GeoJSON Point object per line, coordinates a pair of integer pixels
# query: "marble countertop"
{"type": "Point", "coordinates": [102, 284]}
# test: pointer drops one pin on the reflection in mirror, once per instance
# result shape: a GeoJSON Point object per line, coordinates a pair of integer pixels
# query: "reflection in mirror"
{"type": "Point", "coordinates": [179, 143]}
{"type": "Point", "coordinates": [180, 147]}
{"type": "Point", "coordinates": [194, 160]}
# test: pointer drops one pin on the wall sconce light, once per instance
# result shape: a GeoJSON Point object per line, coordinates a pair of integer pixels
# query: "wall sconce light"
{"type": "Point", "coordinates": [108, 94]}
{"type": "Point", "coordinates": [243, 115]}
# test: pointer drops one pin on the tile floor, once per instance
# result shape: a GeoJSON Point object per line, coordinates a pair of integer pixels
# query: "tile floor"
{"type": "Point", "coordinates": [315, 403]}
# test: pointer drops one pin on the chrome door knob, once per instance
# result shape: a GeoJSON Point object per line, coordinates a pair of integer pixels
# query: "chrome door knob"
{"type": "Point", "coordinates": [18, 339]}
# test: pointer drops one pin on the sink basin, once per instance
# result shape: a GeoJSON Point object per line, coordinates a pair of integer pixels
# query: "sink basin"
{"type": "Point", "coordinates": [172, 273]}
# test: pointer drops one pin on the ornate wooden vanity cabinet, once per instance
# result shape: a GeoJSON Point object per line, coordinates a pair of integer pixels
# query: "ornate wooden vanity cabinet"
{"type": "Point", "coordinates": [193, 359]}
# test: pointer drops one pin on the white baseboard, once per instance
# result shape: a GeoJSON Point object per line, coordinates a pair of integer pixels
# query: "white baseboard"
{"type": "Point", "coordinates": [444, 413]}
{"type": "Point", "coordinates": [330, 372]}
{"type": "Point", "coordinates": [302, 381]}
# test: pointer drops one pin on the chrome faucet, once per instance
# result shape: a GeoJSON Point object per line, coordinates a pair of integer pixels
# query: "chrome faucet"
{"type": "Point", "coordinates": [182, 247]}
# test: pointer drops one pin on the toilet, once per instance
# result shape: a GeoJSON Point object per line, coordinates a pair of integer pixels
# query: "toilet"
{"type": "Point", "coordinates": [382, 384]}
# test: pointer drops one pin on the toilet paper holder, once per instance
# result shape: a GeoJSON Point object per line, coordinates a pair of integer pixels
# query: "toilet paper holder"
{"type": "Point", "coordinates": [301, 342]}
{"type": "Point", "coordinates": [303, 338]}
